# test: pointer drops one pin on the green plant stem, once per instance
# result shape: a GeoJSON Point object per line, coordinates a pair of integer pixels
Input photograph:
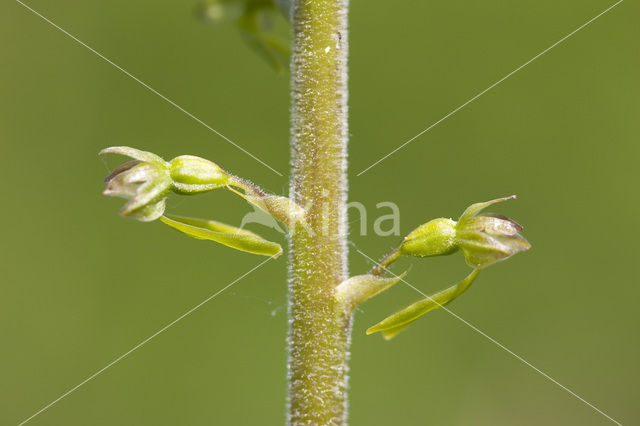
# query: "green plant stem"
{"type": "Point", "coordinates": [386, 261]}
{"type": "Point", "coordinates": [319, 329]}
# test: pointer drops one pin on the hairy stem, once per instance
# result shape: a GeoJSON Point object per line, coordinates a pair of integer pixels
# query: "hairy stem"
{"type": "Point", "coordinates": [386, 261]}
{"type": "Point", "coordinates": [319, 329]}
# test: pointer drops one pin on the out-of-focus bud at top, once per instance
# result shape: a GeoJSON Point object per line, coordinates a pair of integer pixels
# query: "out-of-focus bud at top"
{"type": "Point", "coordinates": [256, 20]}
{"type": "Point", "coordinates": [285, 7]}
{"type": "Point", "coordinates": [145, 181]}
{"type": "Point", "coordinates": [216, 11]}
{"type": "Point", "coordinates": [434, 238]}
{"type": "Point", "coordinates": [192, 174]}
{"type": "Point", "coordinates": [488, 238]}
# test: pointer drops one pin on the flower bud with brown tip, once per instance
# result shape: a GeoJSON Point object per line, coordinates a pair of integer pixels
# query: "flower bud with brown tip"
{"type": "Point", "coordinates": [147, 179]}
{"type": "Point", "coordinates": [488, 238]}
{"type": "Point", "coordinates": [144, 181]}
{"type": "Point", "coordinates": [484, 239]}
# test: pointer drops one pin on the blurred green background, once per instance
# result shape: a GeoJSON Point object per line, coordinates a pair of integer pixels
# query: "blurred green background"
{"type": "Point", "coordinates": [81, 286]}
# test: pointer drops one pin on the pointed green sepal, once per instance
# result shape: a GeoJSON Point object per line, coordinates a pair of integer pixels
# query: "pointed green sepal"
{"type": "Point", "coordinates": [355, 290]}
{"type": "Point", "coordinates": [136, 154]}
{"type": "Point", "coordinates": [474, 209]}
{"type": "Point", "coordinates": [397, 322]}
{"type": "Point", "coordinates": [230, 236]}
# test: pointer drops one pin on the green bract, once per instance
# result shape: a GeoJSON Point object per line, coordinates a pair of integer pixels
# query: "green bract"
{"type": "Point", "coordinates": [230, 236]}
{"type": "Point", "coordinates": [397, 322]}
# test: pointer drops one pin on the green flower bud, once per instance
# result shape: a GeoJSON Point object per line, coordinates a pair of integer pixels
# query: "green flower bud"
{"type": "Point", "coordinates": [144, 181]}
{"type": "Point", "coordinates": [147, 179]}
{"type": "Point", "coordinates": [192, 174]}
{"type": "Point", "coordinates": [434, 238]}
{"type": "Point", "coordinates": [217, 11]}
{"type": "Point", "coordinates": [484, 239]}
{"type": "Point", "coordinates": [488, 238]}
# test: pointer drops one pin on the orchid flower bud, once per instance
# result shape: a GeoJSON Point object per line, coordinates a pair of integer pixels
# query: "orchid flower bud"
{"type": "Point", "coordinates": [488, 238]}
{"type": "Point", "coordinates": [484, 239]}
{"type": "Point", "coordinates": [147, 179]}
{"type": "Point", "coordinates": [144, 181]}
